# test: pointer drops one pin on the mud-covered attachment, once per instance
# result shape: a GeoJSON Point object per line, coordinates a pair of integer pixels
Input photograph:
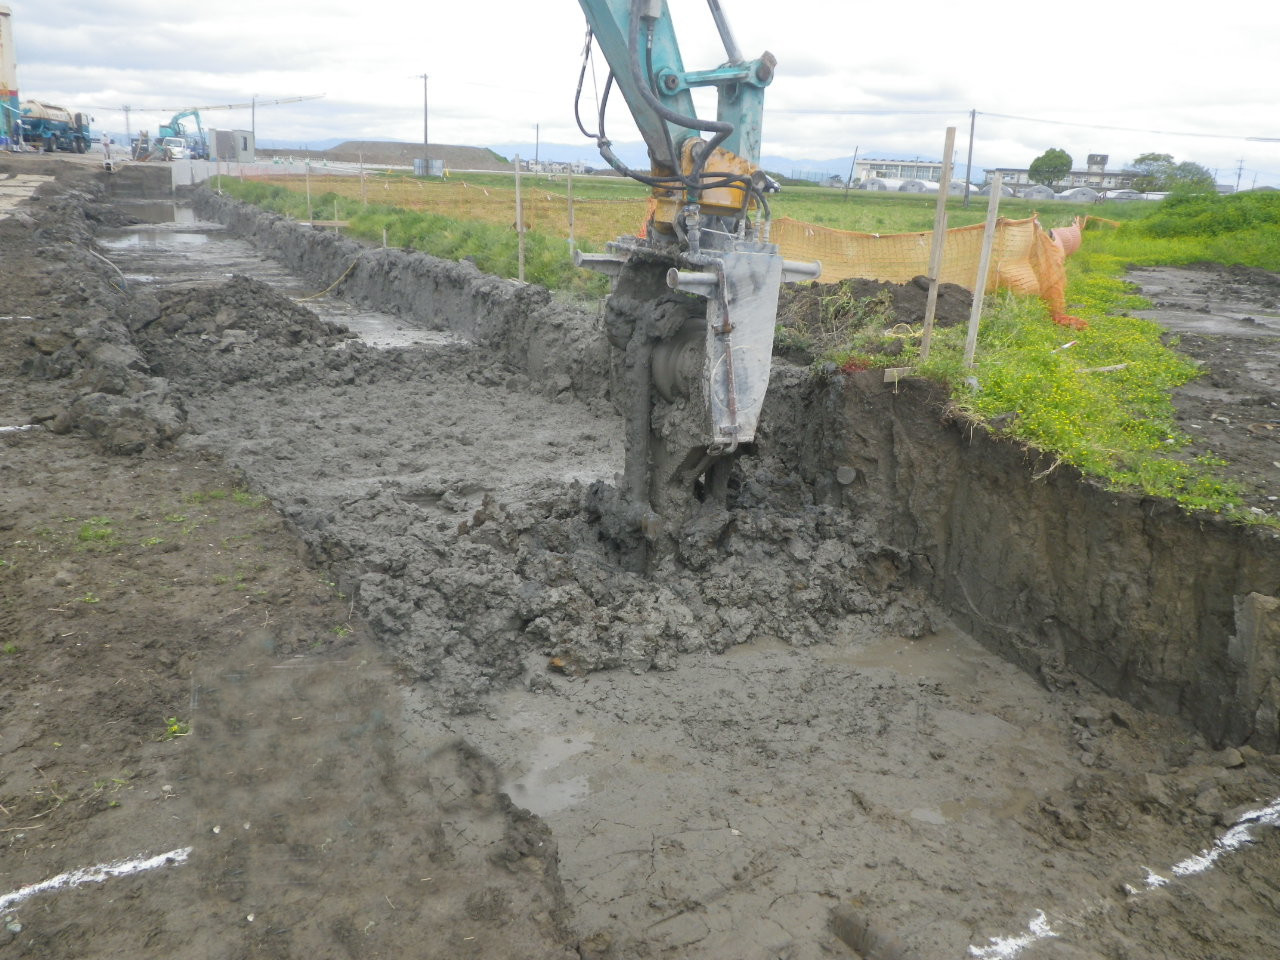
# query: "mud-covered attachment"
{"type": "Point", "coordinates": [689, 375]}
{"type": "Point", "coordinates": [741, 287]}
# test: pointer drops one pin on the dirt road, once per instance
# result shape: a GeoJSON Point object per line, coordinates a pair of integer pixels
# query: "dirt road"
{"type": "Point", "coordinates": [292, 608]}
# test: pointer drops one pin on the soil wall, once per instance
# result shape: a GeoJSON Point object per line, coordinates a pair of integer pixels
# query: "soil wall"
{"type": "Point", "coordinates": [1171, 612]}
{"type": "Point", "coordinates": [551, 344]}
{"type": "Point", "coordinates": [1065, 578]}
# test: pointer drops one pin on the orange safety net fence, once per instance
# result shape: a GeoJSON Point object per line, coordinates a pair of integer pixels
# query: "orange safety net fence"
{"type": "Point", "coordinates": [1025, 257]}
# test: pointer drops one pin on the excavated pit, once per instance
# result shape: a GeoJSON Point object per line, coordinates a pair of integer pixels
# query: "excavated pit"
{"type": "Point", "coordinates": [790, 715]}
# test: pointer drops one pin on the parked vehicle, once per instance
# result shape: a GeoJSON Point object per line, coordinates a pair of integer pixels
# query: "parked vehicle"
{"type": "Point", "coordinates": [197, 144]}
{"type": "Point", "coordinates": [175, 148]}
{"type": "Point", "coordinates": [54, 127]}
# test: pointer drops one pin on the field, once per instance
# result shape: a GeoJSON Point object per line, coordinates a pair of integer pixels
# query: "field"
{"type": "Point", "coordinates": [608, 207]}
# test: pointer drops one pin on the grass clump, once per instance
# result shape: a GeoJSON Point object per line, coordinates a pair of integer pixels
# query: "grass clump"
{"type": "Point", "coordinates": [1237, 229]}
{"type": "Point", "coordinates": [1099, 399]}
{"type": "Point", "coordinates": [493, 248]}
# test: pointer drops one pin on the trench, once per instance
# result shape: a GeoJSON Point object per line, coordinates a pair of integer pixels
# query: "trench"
{"type": "Point", "coordinates": [799, 715]}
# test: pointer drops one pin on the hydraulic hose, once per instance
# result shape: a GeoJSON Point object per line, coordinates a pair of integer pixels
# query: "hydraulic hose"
{"type": "Point", "coordinates": [719, 129]}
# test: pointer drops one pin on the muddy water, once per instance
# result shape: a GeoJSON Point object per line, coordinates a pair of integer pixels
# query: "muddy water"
{"type": "Point", "coordinates": [172, 246]}
{"type": "Point", "coordinates": [721, 807]}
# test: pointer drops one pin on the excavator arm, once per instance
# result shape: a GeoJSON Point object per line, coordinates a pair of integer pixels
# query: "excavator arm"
{"type": "Point", "coordinates": [638, 40]}
{"type": "Point", "coordinates": [695, 296]}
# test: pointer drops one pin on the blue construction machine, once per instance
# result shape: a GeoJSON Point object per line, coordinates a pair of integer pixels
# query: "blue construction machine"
{"type": "Point", "coordinates": [196, 144]}
{"type": "Point", "coordinates": [695, 292]}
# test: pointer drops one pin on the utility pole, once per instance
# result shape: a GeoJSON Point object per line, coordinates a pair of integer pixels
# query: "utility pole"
{"type": "Point", "coordinates": [853, 165]}
{"type": "Point", "coordinates": [537, 143]}
{"type": "Point", "coordinates": [968, 166]}
{"type": "Point", "coordinates": [1239, 173]}
{"type": "Point", "coordinates": [426, 164]}
{"type": "Point", "coordinates": [253, 120]}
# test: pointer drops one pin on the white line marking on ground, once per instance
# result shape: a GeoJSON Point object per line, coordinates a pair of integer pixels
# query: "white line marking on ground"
{"type": "Point", "coordinates": [1004, 948]}
{"type": "Point", "coordinates": [1238, 835]}
{"type": "Point", "coordinates": [95, 874]}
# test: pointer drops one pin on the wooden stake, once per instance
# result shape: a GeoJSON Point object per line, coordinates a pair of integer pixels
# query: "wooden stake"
{"type": "Point", "coordinates": [984, 263]}
{"type": "Point", "coordinates": [571, 212]}
{"type": "Point", "coordinates": [519, 225]}
{"type": "Point", "coordinates": [939, 240]}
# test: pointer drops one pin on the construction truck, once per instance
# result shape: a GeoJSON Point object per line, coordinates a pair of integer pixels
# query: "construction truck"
{"type": "Point", "coordinates": [55, 128]}
{"type": "Point", "coordinates": [695, 292]}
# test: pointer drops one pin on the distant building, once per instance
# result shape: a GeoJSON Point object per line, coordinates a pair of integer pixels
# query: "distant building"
{"type": "Point", "coordinates": [898, 169]}
{"type": "Point", "coordinates": [1095, 175]}
{"type": "Point", "coordinates": [553, 166]}
{"type": "Point", "coordinates": [882, 184]}
{"type": "Point", "coordinates": [232, 146]}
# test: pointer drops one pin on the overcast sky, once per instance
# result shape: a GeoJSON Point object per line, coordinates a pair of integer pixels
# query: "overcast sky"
{"type": "Point", "coordinates": [885, 78]}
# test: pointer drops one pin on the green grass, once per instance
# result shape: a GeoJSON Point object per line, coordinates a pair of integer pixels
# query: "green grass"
{"type": "Point", "coordinates": [1242, 228]}
{"type": "Point", "coordinates": [1099, 399]}
{"type": "Point", "coordinates": [492, 248]}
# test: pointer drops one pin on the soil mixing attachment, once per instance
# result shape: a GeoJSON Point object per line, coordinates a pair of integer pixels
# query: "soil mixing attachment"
{"type": "Point", "coordinates": [695, 296]}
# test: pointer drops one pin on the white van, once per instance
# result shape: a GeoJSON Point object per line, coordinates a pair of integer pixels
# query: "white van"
{"type": "Point", "coordinates": [174, 148]}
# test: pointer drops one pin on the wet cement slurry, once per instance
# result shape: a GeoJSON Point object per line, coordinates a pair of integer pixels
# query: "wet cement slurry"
{"type": "Point", "coordinates": [723, 805]}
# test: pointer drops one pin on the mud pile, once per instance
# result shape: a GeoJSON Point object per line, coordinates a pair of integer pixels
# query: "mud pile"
{"type": "Point", "coordinates": [208, 337]}
{"type": "Point", "coordinates": [462, 584]}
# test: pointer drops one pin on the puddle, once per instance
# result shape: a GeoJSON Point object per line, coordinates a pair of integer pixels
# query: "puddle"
{"type": "Point", "coordinates": [157, 211]}
{"type": "Point", "coordinates": [944, 655]}
{"type": "Point", "coordinates": [538, 784]}
{"type": "Point", "coordinates": [156, 237]}
{"type": "Point", "coordinates": [539, 789]}
{"type": "Point", "coordinates": [173, 245]}
{"type": "Point", "coordinates": [379, 330]}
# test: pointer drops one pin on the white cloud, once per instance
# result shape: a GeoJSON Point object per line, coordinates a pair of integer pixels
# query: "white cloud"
{"type": "Point", "coordinates": [497, 69]}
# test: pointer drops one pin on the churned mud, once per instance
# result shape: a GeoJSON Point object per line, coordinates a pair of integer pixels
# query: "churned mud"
{"type": "Point", "coordinates": [354, 669]}
{"type": "Point", "coordinates": [1227, 319]}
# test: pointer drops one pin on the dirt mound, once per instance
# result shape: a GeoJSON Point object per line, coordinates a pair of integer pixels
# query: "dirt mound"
{"type": "Point", "coordinates": [207, 336]}
{"type": "Point", "coordinates": [398, 154]}
{"type": "Point", "coordinates": [815, 318]}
